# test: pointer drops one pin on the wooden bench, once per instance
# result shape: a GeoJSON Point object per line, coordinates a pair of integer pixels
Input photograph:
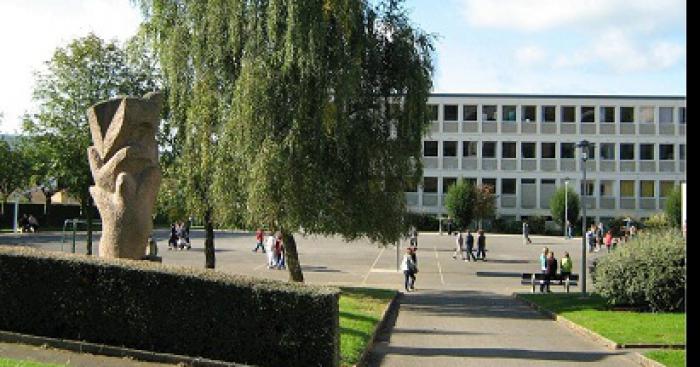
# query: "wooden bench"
{"type": "Point", "coordinates": [534, 279]}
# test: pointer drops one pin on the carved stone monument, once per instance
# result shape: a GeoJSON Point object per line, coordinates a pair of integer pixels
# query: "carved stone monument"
{"type": "Point", "coordinates": [124, 164]}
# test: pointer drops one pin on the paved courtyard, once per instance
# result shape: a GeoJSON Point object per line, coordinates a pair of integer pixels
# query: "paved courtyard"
{"type": "Point", "coordinates": [462, 314]}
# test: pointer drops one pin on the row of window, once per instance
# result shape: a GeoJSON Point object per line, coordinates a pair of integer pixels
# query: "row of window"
{"type": "Point", "coordinates": [627, 188]}
{"type": "Point", "coordinates": [587, 114]}
{"type": "Point", "coordinates": [549, 150]}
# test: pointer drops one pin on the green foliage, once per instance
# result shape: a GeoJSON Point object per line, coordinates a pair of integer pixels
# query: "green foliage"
{"type": "Point", "coordinates": [155, 307]}
{"type": "Point", "coordinates": [618, 224]}
{"type": "Point", "coordinates": [423, 222]}
{"type": "Point", "coordinates": [657, 221]}
{"type": "Point", "coordinates": [509, 226]}
{"type": "Point", "coordinates": [296, 114]}
{"type": "Point", "coordinates": [647, 271]}
{"type": "Point", "coordinates": [668, 358]}
{"type": "Point", "coordinates": [537, 224]}
{"type": "Point", "coordinates": [558, 205]}
{"type": "Point", "coordinates": [361, 309]}
{"type": "Point", "coordinates": [674, 206]}
{"type": "Point", "coordinates": [484, 203]}
{"type": "Point", "coordinates": [459, 203]}
{"type": "Point", "coordinates": [13, 170]}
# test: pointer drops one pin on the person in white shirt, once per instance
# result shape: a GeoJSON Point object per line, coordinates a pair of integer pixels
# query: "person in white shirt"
{"type": "Point", "coordinates": [270, 250]}
{"type": "Point", "coordinates": [409, 268]}
{"type": "Point", "coordinates": [459, 245]}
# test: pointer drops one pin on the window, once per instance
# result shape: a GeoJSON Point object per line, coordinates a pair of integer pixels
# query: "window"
{"type": "Point", "coordinates": [665, 115]}
{"type": "Point", "coordinates": [469, 149]}
{"type": "Point", "coordinates": [681, 115]}
{"type": "Point", "coordinates": [607, 114]}
{"type": "Point", "coordinates": [508, 113]}
{"type": "Point", "coordinates": [508, 149]}
{"type": "Point", "coordinates": [646, 189]}
{"type": "Point", "coordinates": [548, 150]}
{"type": "Point", "coordinates": [449, 148]}
{"type": "Point", "coordinates": [430, 184]}
{"type": "Point", "coordinates": [489, 182]}
{"type": "Point", "coordinates": [666, 152]}
{"type": "Point", "coordinates": [646, 115]}
{"type": "Point", "coordinates": [488, 149]}
{"type": "Point", "coordinates": [607, 151]}
{"type": "Point", "coordinates": [508, 186]}
{"type": "Point", "coordinates": [469, 112]}
{"type": "Point", "coordinates": [527, 114]}
{"type": "Point", "coordinates": [681, 152]}
{"type": "Point", "coordinates": [627, 188]}
{"type": "Point", "coordinates": [568, 114]}
{"type": "Point", "coordinates": [433, 112]}
{"type": "Point", "coordinates": [548, 113]}
{"type": "Point", "coordinates": [528, 150]}
{"type": "Point", "coordinates": [471, 181]}
{"type": "Point", "coordinates": [450, 112]}
{"type": "Point", "coordinates": [606, 188]}
{"type": "Point", "coordinates": [587, 114]}
{"type": "Point", "coordinates": [626, 152]}
{"type": "Point", "coordinates": [489, 113]}
{"type": "Point", "coordinates": [626, 114]}
{"type": "Point", "coordinates": [568, 150]}
{"type": "Point", "coordinates": [430, 148]}
{"type": "Point", "coordinates": [646, 152]}
{"type": "Point", "coordinates": [665, 188]}
{"type": "Point", "coordinates": [409, 186]}
{"type": "Point", "coordinates": [548, 181]}
{"type": "Point", "coordinates": [447, 182]}
{"type": "Point", "coordinates": [591, 152]}
{"type": "Point", "coordinates": [590, 188]}
{"type": "Point", "coordinates": [528, 181]}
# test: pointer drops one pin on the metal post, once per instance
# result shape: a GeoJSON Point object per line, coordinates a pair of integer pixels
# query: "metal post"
{"type": "Point", "coordinates": [74, 225]}
{"type": "Point", "coordinates": [584, 144]}
{"type": "Point", "coordinates": [398, 245]}
{"type": "Point", "coordinates": [16, 223]}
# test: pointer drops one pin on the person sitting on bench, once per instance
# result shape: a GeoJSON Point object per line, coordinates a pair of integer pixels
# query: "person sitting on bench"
{"type": "Point", "coordinates": [551, 270]}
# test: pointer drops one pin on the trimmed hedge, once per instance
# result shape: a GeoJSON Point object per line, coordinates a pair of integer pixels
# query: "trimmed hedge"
{"type": "Point", "coordinates": [648, 271]}
{"type": "Point", "coordinates": [150, 306]}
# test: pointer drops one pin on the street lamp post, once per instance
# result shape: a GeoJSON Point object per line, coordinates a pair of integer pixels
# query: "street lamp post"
{"type": "Point", "coordinates": [584, 144]}
{"type": "Point", "coordinates": [566, 208]}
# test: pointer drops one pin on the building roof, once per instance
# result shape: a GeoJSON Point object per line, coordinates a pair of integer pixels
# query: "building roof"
{"type": "Point", "coordinates": [559, 96]}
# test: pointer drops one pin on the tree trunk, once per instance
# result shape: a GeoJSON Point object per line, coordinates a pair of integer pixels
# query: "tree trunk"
{"type": "Point", "coordinates": [88, 216]}
{"type": "Point", "coordinates": [292, 257]}
{"type": "Point", "coordinates": [47, 207]}
{"type": "Point", "coordinates": [210, 257]}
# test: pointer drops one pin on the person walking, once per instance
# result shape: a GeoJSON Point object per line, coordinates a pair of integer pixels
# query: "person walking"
{"type": "Point", "coordinates": [470, 246]}
{"type": "Point", "coordinates": [414, 237]}
{"type": "Point", "coordinates": [566, 265]}
{"type": "Point", "coordinates": [280, 252]}
{"type": "Point", "coordinates": [600, 236]}
{"type": "Point", "coordinates": [590, 239]}
{"type": "Point", "coordinates": [259, 237]}
{"type": "Point", "coordinates": [459, 246]}
{"type": "Point", "coordinates": [608, 239]}
{"type": "Point", "coordinates": [549, 272]}
{"type": "Point", "coordinates": [481, 245]}
{"type": "Point", "coordinates": [569, 230]}
{"type": "Point", "coordinates": [409, 268]}
{"type": "Point", "coordinates": [270, 250]}
{"type": "Point", "coordinates": [526, 233]}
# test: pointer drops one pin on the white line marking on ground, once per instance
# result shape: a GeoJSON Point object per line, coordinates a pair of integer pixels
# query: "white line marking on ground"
{"type": "Point", "coordinates": [442, 279]}
{"type": "Point", "coordinates": [373, 264]}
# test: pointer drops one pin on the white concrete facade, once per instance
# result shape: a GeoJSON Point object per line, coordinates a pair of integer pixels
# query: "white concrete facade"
{"type": "Point", "coordinates": [643, 138]}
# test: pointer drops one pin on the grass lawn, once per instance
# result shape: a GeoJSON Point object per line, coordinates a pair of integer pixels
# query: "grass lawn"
{"type": "Point", "coordinates": [669, 358]}
{"type": "Point", "coordinates": [15, 363]}
{"type": "Point", "coordinates": [360, 311]}
{"type": "Point", "coordinates": [622, 327]}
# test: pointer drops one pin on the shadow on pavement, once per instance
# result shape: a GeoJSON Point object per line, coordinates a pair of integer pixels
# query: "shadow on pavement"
{"type": "Point", "coordinates": [502, 353]}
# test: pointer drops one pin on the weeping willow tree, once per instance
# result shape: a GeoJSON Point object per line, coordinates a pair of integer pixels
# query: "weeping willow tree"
{"type": "Point", "coordinates": [299, 116]}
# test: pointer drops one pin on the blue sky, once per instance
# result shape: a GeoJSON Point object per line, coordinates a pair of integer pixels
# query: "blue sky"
{"type": "Point", "coordinates": [486, 46]}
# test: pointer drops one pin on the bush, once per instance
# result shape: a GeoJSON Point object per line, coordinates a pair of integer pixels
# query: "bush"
{"type": "Point", "coordinates": [648, 271]}
{"type": "Point", "coordinates": [424, 222]}
{"type": "Point", "coordinates": [150, 306]}
{"type": "Point", "coordinates": [537, 224]}
{"type": "Point", "coordinates": [657, 221]}
{"type": "Point", "coordinates": [509, 226]}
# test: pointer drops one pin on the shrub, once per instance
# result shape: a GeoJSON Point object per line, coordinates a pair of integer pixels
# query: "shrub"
{"type": "Point", "coordinates": [150, 306]}
{"type": "Point", "coordinates": [674, 203]}
{"type": "Point", "coordinates": [423, 222]}
{"type": "Point", "coordinates": [648, 271]}
{"type": "Point", "coordinates": [537, 224]}
{"type": "Point", "coordinates": [459, 203]}
{"type": "Point", "coordinates": [657, 221]}
{"type": "Point", "coordinates": [509, 226]}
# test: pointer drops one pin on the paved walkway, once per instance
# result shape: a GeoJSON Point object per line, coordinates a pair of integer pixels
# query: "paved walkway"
{"type": "Point", "coordinates": [462, 314]}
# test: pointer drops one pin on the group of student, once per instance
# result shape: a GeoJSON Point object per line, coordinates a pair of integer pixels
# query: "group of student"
{"type": "Point", "coordinates": [28, 223]}
{"type": "Point", "coordinates": [597, 237]}
{"type": "Point", "coordinates": [464, 247]}
{"type": "Point", "coordinates": [180, 235]}
{"type": "Point", "coordinates": [548, 266]}
{"type": "Point", "coordinates": [273, 246]}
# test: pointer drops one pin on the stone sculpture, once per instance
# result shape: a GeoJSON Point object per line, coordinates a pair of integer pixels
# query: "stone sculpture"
{"type": "Point", "coordinates": [124, 164]}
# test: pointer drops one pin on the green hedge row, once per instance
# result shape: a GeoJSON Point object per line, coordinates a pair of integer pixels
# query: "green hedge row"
{"type": "Point", "coordinates": [150, 306]}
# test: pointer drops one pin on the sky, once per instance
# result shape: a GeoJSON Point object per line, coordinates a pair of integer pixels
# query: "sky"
{"type": "Point", "coordinates": [481, 46]}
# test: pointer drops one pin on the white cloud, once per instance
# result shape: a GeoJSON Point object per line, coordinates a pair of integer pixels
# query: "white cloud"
{"type": "Point", "coordinates": [31, 30]}
{"type": "Point", "coordinates": [530, 55]}
{"type": "Point", "coordinates": [539, 15]}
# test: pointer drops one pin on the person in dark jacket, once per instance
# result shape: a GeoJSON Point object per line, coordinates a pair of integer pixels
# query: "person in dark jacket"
{"type": "Point", "coordinates": [470, 246]}
{"type": "Point", "coordinates": [481, 246]}
{"type": "Point", "coordinates": [551, 271]}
